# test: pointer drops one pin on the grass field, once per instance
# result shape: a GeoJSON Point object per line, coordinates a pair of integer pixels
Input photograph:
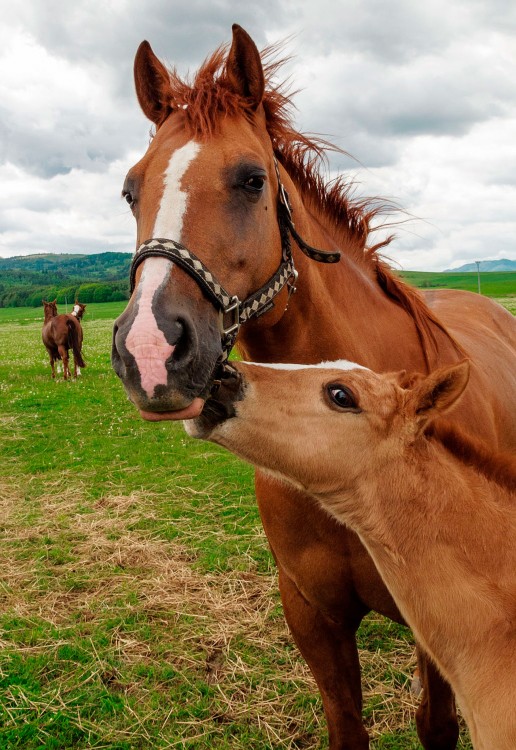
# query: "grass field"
{"type": "Point", "coordinates": [139, 604]}
{"type": "Point", "coordinates": [492, 284]}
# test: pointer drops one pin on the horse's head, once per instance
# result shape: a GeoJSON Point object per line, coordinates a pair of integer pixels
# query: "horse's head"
{"type": "Point", "coordinates": [208, 184]}
{"type": "Point", "coordinates": [325, 427]}
{"type": "Point", "coordinates": [50, 308]}
{"type": "Point", "coordinates": [78, 309]}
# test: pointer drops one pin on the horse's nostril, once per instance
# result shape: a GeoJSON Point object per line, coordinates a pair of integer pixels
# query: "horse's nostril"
{"type": "Point", "coordinates": [181, 337]}
{"type": "Point", "coordinates": [177, 331]}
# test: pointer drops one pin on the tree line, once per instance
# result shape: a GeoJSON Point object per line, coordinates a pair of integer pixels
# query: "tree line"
{"type": "Point", "coordinates": [31, 296]}
{"type": "Point", "coordinates": [101, 277]}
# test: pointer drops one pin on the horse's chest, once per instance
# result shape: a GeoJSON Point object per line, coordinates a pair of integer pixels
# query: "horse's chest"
{"type": "Point", "coordinates": [323, 559]}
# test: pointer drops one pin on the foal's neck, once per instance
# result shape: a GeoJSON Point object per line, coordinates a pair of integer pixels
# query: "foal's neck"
{"type": "Point", "coordinates": [443, 538]}
{"type": "Point", "coordinates": [430, 500]}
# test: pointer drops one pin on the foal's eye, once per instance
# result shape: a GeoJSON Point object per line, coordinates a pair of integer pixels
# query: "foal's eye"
{"type": "Point", "coordinates": [341, 396]}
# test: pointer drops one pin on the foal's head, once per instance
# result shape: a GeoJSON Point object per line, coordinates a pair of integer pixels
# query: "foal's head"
{"type": "Point", "coordinates": [50, 309]}
{"type": "Point", "coordinates": [325, 427]}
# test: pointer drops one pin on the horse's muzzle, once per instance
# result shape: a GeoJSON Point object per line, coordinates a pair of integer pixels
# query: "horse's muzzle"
{"type": "Point", "coordinates": [171, 374]}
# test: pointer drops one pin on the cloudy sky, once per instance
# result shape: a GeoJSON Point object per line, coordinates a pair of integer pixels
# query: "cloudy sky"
{"type": "Point", "coordinates": [423, 96]}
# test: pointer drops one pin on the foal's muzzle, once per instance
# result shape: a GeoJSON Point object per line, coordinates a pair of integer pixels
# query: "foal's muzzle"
{"type": "Point", "coordinates": [220, 406]}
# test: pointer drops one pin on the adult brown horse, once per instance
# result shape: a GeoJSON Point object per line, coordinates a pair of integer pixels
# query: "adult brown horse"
{"type": "Point", "coordinates": [211, 188]}
{"type": "Point", "coordinates": [61, 333]}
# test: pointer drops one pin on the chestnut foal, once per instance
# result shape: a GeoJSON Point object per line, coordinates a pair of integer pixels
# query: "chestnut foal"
{"type": "Point", "coordinates": [61, 333]}
{"type": "Point", "coordinates": [435, 509]}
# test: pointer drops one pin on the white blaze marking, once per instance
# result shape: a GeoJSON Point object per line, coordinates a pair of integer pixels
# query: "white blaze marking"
{"type": "Point", "coordinates": [145, 341]}
{"type": "Point", "coordinates": [339, 364]}
{"type": "Point", "coordinates": [169, 219]}
{"type": "Point", "coordinates": [76, 310]}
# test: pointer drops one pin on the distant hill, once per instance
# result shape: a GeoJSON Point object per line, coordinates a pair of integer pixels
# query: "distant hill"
{"type": "Point", "coordinates": [100, 277]}
{"type": "Point", "coordinates": [504, 264]}
{"type": "Point", "coordinates": [104, 277]}
{"type": "Point", "coordinates": [53, 267]}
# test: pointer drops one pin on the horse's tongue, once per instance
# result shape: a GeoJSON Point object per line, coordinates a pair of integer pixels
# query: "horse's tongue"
{"type": "Point", "coordinates": [189, 412]}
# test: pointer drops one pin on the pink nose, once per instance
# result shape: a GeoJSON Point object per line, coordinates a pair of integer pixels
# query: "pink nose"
{"type": "Point", "coordinates": [150, 350]}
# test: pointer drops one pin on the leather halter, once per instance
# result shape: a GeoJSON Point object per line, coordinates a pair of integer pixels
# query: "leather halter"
{"type": "Point", "coordinates": [232, 311]}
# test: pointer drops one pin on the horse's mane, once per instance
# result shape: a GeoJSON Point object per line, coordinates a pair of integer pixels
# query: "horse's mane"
{"type": "Point", "coordinates": [499, 467]}
{"type": "Point", "coordinates": [210, 97]}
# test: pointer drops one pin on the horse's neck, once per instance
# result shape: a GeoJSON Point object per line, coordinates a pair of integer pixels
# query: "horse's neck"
{"type": "Point", "coordinates": [444, 541]}
{"type": "Point", "coordinates": [338, 312]}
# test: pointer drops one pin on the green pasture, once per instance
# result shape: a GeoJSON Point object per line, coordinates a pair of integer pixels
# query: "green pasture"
{"type": "Point", "coordinates": [492, 283]}
{"type": "Point", "coordinates": [138, 597]}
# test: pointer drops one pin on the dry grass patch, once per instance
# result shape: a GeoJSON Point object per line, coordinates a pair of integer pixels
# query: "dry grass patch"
{"type": "Point", "coordinates": [140, 620]}
{"type": "Point", "coordinates": [193, 622]}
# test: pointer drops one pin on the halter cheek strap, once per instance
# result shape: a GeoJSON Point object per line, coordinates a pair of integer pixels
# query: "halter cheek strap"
{"type": "Point", "coordinates": [232, 311]}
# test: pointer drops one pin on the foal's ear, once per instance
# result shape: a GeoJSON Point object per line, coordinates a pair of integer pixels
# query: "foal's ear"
{"type": "Point", "coordinates": [244, 67]}
{"type": "Point", "coordinates": [438, 392]}
{"type": "Point", "coordinates": [152, 83]}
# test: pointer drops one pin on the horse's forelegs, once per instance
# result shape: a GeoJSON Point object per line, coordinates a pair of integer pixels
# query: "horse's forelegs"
{"type": "Point", "coordinates": [436, 716]}
{"type": "Point", "coordinates": [53, 366]}
{"type": "Point", "coordinates": [331, 653]}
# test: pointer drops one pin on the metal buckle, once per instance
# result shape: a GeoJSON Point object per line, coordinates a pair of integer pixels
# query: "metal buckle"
{"type": "Point", "coordinates": [232, 309]}
{"type": "Point", "coordinates": [292, 281]}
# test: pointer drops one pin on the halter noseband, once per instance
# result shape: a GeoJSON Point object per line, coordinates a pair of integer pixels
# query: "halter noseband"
{"type": "Point", "coordinates": [232, 311]}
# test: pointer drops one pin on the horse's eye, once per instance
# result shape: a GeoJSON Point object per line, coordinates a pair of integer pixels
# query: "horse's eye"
{"type": "Point", "coordinates": [255, 184]}
{"type": "Point", "coordinates": [129, 198]}
{"type": "Point", "coordinates": [341, 396]}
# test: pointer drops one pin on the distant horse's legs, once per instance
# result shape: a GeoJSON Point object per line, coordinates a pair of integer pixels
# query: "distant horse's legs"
{"type": "Point", "coordinates": [331, 653]}
{"type": "Point", "coordinates": [436, 716]}
{"type": "Point", "coordinates": [63, 352]}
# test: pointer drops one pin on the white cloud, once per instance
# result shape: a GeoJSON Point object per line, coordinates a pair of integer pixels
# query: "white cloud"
{"type": "Point", "coordinates": [79, 211]}
{"type": "Point", "coordinates": [422, 95]}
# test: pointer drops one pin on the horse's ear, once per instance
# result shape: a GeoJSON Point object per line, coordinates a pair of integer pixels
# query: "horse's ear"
{"type": "Point", "coordinates": [152, 83]}
{"type": "Point", "coordinates": [244, 67]}
{"type": "Point", "coordinates": [55, 301]}
{"type": "Point", "coordinates": [439, 391]}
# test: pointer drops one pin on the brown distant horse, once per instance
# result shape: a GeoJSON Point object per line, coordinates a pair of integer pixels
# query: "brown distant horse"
{"type": "Point", "coordinates": [61, 333]}
{"type": "Point", "coordinates": [435, 509]}
{"type": "Point", "coordinates": [211, 189]}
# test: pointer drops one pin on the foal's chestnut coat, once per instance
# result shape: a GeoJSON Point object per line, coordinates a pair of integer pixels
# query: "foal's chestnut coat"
{"type": "Point", "coordinates": [435, 509]}
{"type": "Point", "coordinates": [60, 334]}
